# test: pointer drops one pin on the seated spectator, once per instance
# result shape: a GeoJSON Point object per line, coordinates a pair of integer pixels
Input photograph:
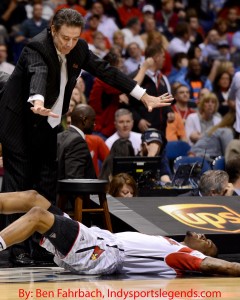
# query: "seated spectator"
{"type": "Point", "coordinates": [212, 183]}
{"type": "Point", "coordinates": [148, 11]}
{"type": "Point", "coordinates": [121, 147]}
{"type": "Point", "coordinates": [66, 119]}
{"type": "Point", "coordinates": [118, 40]}
{"type": "Point", "coordinates": [195, 52]}
{"type": "Point", "coordinates": [180, 67]}
{"type": "Point", "coordinates": [214, 141]}
{"type": "Point", "coordinates": [224, 50]}
{"type": "Point", "coordinates": [132, 33]}
{"type": "Point", "coordinates": [195, 29]}
{"type": "Point", "coordinates": [210, 49]}
{"type": "Point", "coordinates": [81, 86]}
{"type": "Point", "coordinates": [221, 25]}
{"type": "Point", "coordinates": [195, 79]}
{"type": "Point", "coordinates": [157, 38]}
{"type": "Point", "coordinates": [233, 19]}
{"type": "Point", "coordinates": [127, 11]}
{"type": "Point", "coordinates": [124, 124]}
{"type": "Point", "coordinates": [12, 14]}
{"type": "Point", "coordinates": [74, 4]}
{"type": "Point", "coordinates": [107, 26]}
{"type": "Point", "coordinates": [232, 167]}
{"type": "Point", "coordinates": [153, 144]}
{"type": "Point", "coordinates": [4, 65]}
{"type": "Point", "coordinates": [74, 158]}
{"type": "Point", "coordinates": [151, 28]}
{"type": "Point", "coordinates": [78, 96]}
{"type": "Point", "coordinates": [181, 41]}
{"type": "Point", "coordinates": [110, 10]}
{"type": "Point", "coordinates": [167, 19]}
{"type": "Point", "coordinates": [135, 58]}
{"type": "Point", "coordinates": [88, 34]}
{"type": "Point", "coordinates": [221, 86]}
{"type": "Point", "coordinates": [47, 11]}
{"type": "Point", "coordinates": [198, 123]}
{"type": "Point", "coordinates": [98, 47]}
{"type": "Point", "coordinates": [123, 185]}
{"type": "Point", "coordinates": [31, 27]}
{"type": "Point", "coordinates": [182, 102]}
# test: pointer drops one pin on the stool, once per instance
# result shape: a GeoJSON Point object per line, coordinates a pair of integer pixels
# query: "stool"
{"type": "Point", "coordinates": [81, 189]}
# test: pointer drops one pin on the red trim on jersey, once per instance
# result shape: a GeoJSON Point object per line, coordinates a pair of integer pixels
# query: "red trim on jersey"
{"type": "Point", "coordinates": [183, 260]}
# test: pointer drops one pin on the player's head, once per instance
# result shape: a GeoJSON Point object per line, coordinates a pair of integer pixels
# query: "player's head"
{"type": "Point", "coordinates": [198, 241]}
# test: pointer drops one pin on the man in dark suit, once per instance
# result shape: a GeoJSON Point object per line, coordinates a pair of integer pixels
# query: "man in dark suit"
{"type": "Point", "coordinates": [156, 83]}
{"type": "Point", "coordinates": [36, 87]}
{"type": "Point", "coordinates": [74, 158]}
{"type": "Point", "coordinates": [3, 79]}
{"type": "Point", "coordinates": [29, 142]}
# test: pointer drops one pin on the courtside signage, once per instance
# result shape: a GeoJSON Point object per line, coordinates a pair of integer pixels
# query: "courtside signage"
{"type": "Point", "coordinates": [219, 218]}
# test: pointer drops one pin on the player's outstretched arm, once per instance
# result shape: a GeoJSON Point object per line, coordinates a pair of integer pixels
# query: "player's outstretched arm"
{"type": "Point", "coordinates": [212, 265]}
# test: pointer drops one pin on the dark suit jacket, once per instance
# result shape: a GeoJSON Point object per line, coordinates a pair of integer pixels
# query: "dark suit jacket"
{"type": "Point", "coordinates": [74, 158]}
{"type": "Point", "coordinates": [3, 79]}
{"type": "Point", "coordinates": [158, 116]}
{"type": "Point", "coordinates": [38, 72]}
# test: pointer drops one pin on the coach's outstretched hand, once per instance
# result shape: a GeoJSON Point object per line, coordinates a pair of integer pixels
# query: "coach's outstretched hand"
{"type": "Point", "coordinates": [152, 102]}
{"type": "Point", "coordinates": [39, 109]}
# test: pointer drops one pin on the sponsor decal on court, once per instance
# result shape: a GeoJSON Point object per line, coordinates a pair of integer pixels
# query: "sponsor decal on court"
{"type": "Point", "coordinates": [219, 218]}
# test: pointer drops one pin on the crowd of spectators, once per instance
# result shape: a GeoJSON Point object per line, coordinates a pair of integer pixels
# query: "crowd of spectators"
{"type": "Point", "coordinates": [189, 48]}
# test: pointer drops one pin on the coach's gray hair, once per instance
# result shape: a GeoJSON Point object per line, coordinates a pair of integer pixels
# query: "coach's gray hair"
{"type": "Point", "coordinates": [68, 17]}
{"type": "Point", "coordinates": [122, 112]}
{"type": "Point", "coordinates": [212, 180]}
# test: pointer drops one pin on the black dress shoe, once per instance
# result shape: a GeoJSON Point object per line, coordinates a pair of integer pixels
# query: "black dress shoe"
{"type": "Point", "coordinates": [20, 258]}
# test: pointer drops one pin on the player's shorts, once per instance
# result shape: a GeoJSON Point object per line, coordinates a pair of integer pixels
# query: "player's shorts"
{"type": "Point", "coordinates": [63, 234]}
{"type": "Point", "coordinates": [81, 249]}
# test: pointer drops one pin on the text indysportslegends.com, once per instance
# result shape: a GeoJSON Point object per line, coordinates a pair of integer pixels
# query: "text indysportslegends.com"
{"type": "Point", "coordinates": [122, 294]}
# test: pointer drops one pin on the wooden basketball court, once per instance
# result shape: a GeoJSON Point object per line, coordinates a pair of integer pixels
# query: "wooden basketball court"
{"type": "Point", "coordinates": [55, 283]}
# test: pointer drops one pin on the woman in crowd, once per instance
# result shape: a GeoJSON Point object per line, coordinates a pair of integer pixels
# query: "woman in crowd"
{"type": "Point", "coordinates": [206, 117]}
{"type": "Point", "coordinates": [214, 142]}
{"type": "Point", "coordinates": [123, 185]}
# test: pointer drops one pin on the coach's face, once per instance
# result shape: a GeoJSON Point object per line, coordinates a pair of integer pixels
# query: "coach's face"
{"type": "Point", "coordinates": [65, 39]}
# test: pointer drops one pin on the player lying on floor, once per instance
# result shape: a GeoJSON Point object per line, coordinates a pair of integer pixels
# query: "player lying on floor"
{"type": "Point", "coordinates": [86, 250]}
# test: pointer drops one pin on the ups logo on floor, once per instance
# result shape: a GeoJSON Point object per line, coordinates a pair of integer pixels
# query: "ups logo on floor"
{"type": "Point", "coordinates": [212, 217]}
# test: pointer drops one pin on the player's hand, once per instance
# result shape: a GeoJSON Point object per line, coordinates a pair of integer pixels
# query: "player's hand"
{"type": "Point", "coordinates": [39, 109]}
{"type": "Point", "coordinates": [152, 102]}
